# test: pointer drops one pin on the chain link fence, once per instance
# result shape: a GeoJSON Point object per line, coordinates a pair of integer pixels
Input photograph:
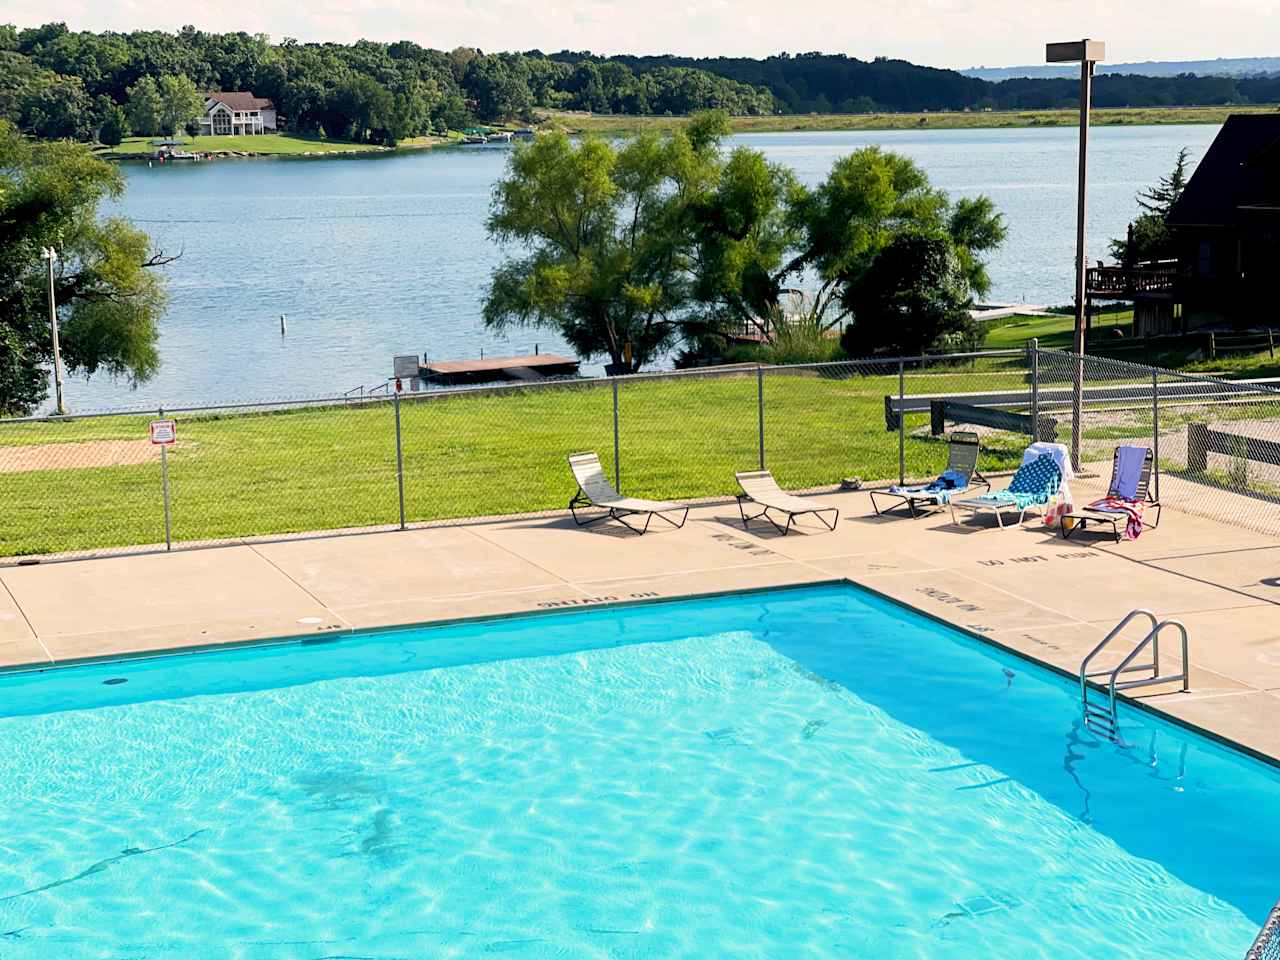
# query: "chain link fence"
{"type": "Point", "coordinates": [1216, 442]}
{"type": "Point", "coordinates": [95, 484]}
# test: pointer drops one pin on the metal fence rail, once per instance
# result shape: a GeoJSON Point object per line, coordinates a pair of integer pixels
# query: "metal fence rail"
{"type": "Point", "coordinates": [1216, 441]}
{"type": "Point", "coordinates": [93, 484]}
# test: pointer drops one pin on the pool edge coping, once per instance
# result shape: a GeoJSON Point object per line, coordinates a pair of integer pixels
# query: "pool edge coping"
{"type": "Point", "coordinates": [331, 635]}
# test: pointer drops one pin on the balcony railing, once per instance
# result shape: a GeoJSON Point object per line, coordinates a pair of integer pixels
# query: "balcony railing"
{"type": "Point", "coordinates": [1127, 282]}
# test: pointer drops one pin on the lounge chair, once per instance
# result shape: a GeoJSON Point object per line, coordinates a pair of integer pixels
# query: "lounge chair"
{"type": "Point", "coordinates": [1128, 496]}
{"type": "Point", "coordinates": [759, 487]}
{"type": "Point", "coordinates": [595, 490]}
{"type": "Point", "coordinates": [962, 470]}
{"type": "Point", "coordinates": [1033, 484]}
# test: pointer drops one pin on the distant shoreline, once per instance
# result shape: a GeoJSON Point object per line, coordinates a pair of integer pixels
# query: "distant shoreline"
{"type": "Point", "coordinates": [138, 149]}
{"type": "Point", "coordinates": [574, 122]}
{"type": "Point", "coordinates": [291, 145]}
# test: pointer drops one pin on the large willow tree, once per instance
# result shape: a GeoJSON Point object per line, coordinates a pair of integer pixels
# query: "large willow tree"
{"type": "Point", "coordinates": [661, 238]}
{"type": "Point", "coordinates": [604, 237]}
{"type": "Point", "coordinates": [109, 301]}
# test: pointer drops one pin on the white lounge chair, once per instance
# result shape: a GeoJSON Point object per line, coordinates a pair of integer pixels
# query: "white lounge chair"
{"type": "Point", "coordinates": [759, 487]}
{"type": "Point", "coordinates": [595, 490]}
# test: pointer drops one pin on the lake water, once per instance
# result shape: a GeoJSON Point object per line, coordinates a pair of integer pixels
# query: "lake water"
{"type": "Point", "coordinates": [371, 257]}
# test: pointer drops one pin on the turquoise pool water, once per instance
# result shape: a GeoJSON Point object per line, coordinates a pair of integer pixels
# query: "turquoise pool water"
{"type": "Point", "coordinates": [807, 773]}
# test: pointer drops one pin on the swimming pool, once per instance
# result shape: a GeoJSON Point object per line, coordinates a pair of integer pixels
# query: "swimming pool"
{"type": "Point", "coordinates": [804, 773]}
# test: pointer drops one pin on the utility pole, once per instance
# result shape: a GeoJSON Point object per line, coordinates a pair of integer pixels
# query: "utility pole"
{"type": "Point", "coordinates": [51, 255]}
{"type": "Point", "coordinates": [1085, 52]}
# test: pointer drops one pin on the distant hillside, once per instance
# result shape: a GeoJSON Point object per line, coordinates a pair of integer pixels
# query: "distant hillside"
{"type": "Point", "coordinates": [56, 83]}
{"type": "Point", "coordinates": [1221, 67]}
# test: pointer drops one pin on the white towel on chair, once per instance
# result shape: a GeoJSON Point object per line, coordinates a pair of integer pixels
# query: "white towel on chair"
{"type": "Point", "coordinates": [1061, 456]}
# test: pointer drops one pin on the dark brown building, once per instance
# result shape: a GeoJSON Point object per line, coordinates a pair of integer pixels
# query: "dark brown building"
{"type": "Point", "coordinates": [1226, 230]}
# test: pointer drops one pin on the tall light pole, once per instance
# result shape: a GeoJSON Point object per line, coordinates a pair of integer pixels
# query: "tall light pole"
{"type": "Point", "coordinates": [51, 255]}
{"type": "Point", "coordinates": [1086, 53]}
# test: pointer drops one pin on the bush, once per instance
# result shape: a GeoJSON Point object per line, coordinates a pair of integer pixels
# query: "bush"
{"type": "Point", "coordinates": [793, 343]}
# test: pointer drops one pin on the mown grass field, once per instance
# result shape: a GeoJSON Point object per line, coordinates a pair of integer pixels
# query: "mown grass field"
{"type": "Point", "coordinates": [577, 122]}
{"type": "Point", "coordinates": [267, 144]}
{"type": "Point", "coordinates": [1054, 332]}
{"type": "Point", "coordinates": [499, 452]}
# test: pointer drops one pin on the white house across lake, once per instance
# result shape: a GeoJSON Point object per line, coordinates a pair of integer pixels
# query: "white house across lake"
{"type": "Point", "coordinates": [236, 114]}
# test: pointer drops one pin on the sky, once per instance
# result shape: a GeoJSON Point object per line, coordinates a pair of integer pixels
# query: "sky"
{"type": "Point", "coordinates": [946, 33]}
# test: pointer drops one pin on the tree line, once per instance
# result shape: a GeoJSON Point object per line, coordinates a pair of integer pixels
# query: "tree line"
{"type": "Point", "coordinates": [60, 84]}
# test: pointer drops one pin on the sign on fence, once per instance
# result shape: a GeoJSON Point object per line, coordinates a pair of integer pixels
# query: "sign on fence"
{"type": "Point", "coordinates": [163, 432]}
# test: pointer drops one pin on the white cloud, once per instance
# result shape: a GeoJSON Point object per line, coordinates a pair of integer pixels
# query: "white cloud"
{"type": "Point", "coordinates": [939, 32]}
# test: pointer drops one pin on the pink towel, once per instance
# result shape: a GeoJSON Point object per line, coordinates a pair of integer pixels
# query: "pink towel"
{"type": "Point", "coordinates": [1132, 509]}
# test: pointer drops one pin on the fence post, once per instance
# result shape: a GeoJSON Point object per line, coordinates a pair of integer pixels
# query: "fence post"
{"type": "Point", "coordinates": [617, 451]}
{"type": "Point", "coordinates": [902, 423]}
{"type": "Point", "coordinates": [164, 488]}
{"type": "Point", "coordinates": [1271, 342]}
{"type": "Point", "coordinates": [760, 408]}
{"type": "Point", "coordinates": [1034, 349]}
{"type": "Point", "coordinates": [1155, 428]}
{"type": "Point", "coordinates": [399, 458]}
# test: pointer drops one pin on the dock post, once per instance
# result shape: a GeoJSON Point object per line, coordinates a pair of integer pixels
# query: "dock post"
{"type": "Point", "coordinates": [617, 460]}
{"type": "Point", "coordinates": [399, 458]}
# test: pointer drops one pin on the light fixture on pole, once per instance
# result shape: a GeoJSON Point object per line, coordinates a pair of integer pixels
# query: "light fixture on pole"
{"type": "Point", "coordinates": [51, 255]}
{"type": "Point", "coordinates": [1086, 53]}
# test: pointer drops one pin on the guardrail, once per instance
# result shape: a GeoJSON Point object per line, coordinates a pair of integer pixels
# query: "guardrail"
{"type": "Point", "coordinates": [1063, 396]}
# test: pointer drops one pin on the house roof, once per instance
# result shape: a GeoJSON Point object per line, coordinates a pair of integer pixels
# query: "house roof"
{"type": "Point", "coordinates": [1238, 177]}
{"type": "Point", "coordinates": [240, 100]}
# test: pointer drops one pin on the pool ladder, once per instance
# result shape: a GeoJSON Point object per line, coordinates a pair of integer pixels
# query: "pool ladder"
{"type": "Point", "coordinates": [1100, 714]}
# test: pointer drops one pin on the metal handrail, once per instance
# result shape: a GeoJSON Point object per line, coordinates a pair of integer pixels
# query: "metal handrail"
{"type": "Point", "coordinates": [1152, 637]}
{"type": "Point", "coordinates": [1127, 665]}
{"type": "Point", "coordinates": [1084, 664]}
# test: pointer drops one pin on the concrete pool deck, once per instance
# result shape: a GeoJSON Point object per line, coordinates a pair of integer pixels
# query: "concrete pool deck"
{"type": "Point", "coordinates": [1023, 587]}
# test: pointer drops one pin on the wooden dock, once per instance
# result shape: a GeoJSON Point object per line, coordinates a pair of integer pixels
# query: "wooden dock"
{"type": "Point", "coordinates": [528, 367]}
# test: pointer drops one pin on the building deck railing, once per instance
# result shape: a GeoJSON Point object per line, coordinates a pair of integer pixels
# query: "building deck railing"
{"type": "Point", "coordinates": [1127, 282]}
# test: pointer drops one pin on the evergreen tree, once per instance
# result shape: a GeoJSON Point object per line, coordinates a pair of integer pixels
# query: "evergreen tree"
{"type": "Point", "coordinates": [1161, 198]}
{"type": "Point", "coordinates": [1149, 236]}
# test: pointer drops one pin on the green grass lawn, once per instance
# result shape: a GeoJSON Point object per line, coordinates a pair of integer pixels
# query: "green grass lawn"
{"type": "Point", "coordinates": [1249, 365]}
{"type": "Point", "coordinates": [1054, 332]}
{"type": "Point", "coordinates": [283, 144]}
{"type": "Point", "coordinates": [500, 452]}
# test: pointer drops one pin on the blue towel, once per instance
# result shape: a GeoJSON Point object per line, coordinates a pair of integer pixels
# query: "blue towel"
{"type": "Point", "coordinates": [947, 485]}
{"type": "Point", "coordinates": [1035, 482]}
{"type": "Point", "coordinates": [1129, 463]}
